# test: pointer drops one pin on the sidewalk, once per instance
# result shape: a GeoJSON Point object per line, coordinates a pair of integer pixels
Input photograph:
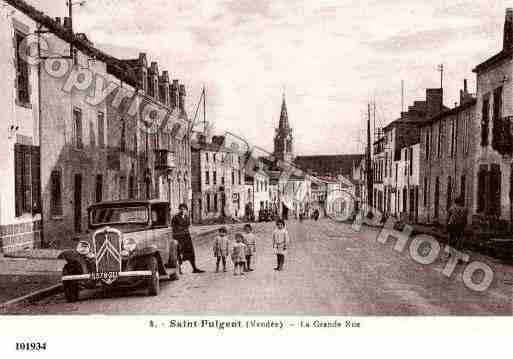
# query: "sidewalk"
{"type": "Point", "coordinates": [49, 254]}
{"type": "Point", "coordinates": [500, 248]}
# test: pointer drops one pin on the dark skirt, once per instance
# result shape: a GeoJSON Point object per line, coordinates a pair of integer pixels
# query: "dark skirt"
{"type": "Point", "coordinates": [186, 249]}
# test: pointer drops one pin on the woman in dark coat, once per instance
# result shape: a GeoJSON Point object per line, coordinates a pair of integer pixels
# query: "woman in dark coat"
{"type": "Point", "coordinates": [181, 223]}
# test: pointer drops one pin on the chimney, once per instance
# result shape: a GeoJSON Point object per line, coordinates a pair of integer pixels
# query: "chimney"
{"type": "Point", "coordinates": [165, 86]}
{"type": "Point", "coordinates": [464, 94]}
{"type": "Point", "coordinates": [181, 98]}
{"type": "Point", "coordinates": [434, 100]}
{"type": "Point", "coordinates": [508, 30]}
{"type": "Point", "coordinates": [58, 21]}
{"type": "Point", "coordinates": [67, 24]}
{"type": "Point", "coordinates": [174, 94]}
{"type": "Point", "coordinates": [465, 88]}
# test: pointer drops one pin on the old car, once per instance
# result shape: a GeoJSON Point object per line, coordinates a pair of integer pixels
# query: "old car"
{"type": "Point", "coordinates": [129, 244]}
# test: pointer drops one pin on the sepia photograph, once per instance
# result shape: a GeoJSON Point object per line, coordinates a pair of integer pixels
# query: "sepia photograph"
{"type": "Point", "coordinates": [207, 161]}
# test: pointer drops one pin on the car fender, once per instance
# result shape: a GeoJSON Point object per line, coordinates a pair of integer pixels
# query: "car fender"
{"type": "Point", "coordinates": [72, 256]}
{"type": "Point", "coordinates": [144, 253]}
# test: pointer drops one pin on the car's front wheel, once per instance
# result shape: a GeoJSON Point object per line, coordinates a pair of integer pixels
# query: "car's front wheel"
{"type": "Point", "coordinates": [71, 288]}
{"type": "Point", "coordinates": [154, 281]}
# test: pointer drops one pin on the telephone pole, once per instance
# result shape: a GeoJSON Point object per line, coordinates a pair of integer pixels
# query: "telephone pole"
{"type": "Point", "coordinates": [368, 162]}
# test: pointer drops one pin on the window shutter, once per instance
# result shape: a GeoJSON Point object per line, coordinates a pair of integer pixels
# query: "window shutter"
{"type": "Point", "coordinates": [494, 191]}
{"type": "Point", "coordinates": [18, 180]}
{"type": "Point", "coordinates": [481, 188]}
{"type": "Point", "coordinates": [36, 179]}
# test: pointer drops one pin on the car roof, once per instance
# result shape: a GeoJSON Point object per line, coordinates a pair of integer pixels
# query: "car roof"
{"type": "Point", "coordinates": [129, 202]}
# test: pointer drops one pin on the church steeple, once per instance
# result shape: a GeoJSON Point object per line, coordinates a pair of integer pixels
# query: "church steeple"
{"type": "Point", "coordinates": [284, 118]}
{"type": "Point", "coordinates": [283, 149]}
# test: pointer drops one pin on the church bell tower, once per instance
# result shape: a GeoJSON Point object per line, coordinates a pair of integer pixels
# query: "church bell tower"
{"type": "Point", "coordinates": [283, 140]}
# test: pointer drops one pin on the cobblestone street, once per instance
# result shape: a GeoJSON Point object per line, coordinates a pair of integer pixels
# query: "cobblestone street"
{"type": "Point", "coordinates": [329, 270]}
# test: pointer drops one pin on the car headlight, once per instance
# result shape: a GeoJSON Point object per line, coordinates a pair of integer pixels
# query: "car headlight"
{"type": "Point", "coordinates": [129, 244]}
{"type": "Point", "coordinates": [83, 248]}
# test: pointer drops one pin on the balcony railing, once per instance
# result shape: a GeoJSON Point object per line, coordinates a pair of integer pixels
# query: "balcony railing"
{"type": "Point", "coordinates": [164, 159]}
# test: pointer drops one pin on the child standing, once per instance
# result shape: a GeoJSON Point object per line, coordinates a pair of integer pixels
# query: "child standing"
{"type": "Point", "coordinates": [238, 252]}
{"type": "Point", "coordinates": [221, 248]}
{"type": "Point", "coordinates": [250, 242]}
{"type": "Point", "coordinates": [280, 243]}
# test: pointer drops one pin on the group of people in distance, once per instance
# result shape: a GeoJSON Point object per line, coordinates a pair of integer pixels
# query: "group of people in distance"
{"type": "Point", "coordinates": [241, 251]}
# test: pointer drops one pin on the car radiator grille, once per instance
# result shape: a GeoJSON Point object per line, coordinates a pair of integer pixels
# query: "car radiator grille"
{"type": "Point", "coordinates": [107, 249]}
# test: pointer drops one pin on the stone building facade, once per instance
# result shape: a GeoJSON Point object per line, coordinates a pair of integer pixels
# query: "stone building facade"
{"type": "Point", "coordinates": [218, 181]}
{"type": "Point", "coordinates": [20, 194]}
{"type": "Point", "coordinates": [447, 153]}
{"type": "Point", "coordinates": [108, 129]}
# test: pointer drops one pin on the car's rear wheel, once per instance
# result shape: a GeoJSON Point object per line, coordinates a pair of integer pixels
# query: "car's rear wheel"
{"type": "Point", "coordinates": [71, 288]}
{"type": "Point", "coordinates": [154, 281]}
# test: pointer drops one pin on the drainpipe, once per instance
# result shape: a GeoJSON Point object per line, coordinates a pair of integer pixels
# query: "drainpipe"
{"type": "Point", "coordinates": [40, 126]}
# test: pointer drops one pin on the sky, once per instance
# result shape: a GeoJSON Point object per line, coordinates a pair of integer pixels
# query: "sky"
{"type": "Point", "coordinates": [330, 57]}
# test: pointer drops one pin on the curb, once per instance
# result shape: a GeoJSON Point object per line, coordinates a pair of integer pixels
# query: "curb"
{"type": "Point", "coordinates": [32, 297]}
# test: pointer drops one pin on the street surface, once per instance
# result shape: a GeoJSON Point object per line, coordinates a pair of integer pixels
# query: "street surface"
{"type": "Point", "coordinates": [329, 270]}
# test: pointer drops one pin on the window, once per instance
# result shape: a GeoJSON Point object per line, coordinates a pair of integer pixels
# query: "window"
{"type": "Point", "coordinates": [485, 120]}
{"type": "Point", "coordinates": [214, 159]}
{"type": "Point", "coordinates": [396, 171]}
{"type": "Point", "coordinates": [405, 199]}
{"type": "Point", "coordinates": [55, 194]}
{"type": "Point", "coordinates": [449, 192]}
{"type": "Point", "coordinates": [77, 128]}
{"type": "Point", "coordinates": [122, 140]}
{"type": "Point", "coordinates": [27, 180]}
{"type": "Point", "coordinates": [501, 137]}
{"type": "Point", "coordinates": [463, 188]}
{"type": "Point", "coordinates": [427, 145]}
{"type": "Point", "coordinates": [151, 87]}
{"type": "Point", "coordinates": [206, 156]}
{"type": "Point", "coordinates": [131, 187]}
{"type": "Point", "coordinates": [453, 136]}
{"type": "Point", "coordinates": [481, 189]}
{"type": "Point", "coordinates": [101, 129]}
{"type": "Point", "coordinates": [214, 178]}
{"type": "Point", "coordinates": [22, 71]}
{"type": "Point", "coordinates": [425, 191]}
{"type": "Point", "coordinates": [439, 147]}
{"type": "Point", "coordinates": [240, 176]}
{"type": "Point", "coordinates": [222, 180]}
{"type": "Point", "coordinates": [216, 205]}
{"type": "Point", "coordinates": [437, 197]}
{"type": "Point", "coordinates": [99, 188]}
{"type": "Point", "coordinates": [208, 202]}
{"type": "Point", "coordinates": [411, 161]}
{"type": "Point", "coordinates": [494, 191]}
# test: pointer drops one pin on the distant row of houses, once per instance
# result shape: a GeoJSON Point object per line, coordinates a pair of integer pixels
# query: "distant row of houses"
{"type": "Point", "coordinates": [433, 154]}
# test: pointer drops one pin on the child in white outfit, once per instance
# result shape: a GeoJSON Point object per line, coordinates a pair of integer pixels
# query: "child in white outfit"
{"type": "Point", "coordinates": [238, 253]}
{"type": "Point", "coordinates": [221, 249]}
{"type": "Point", "coordinates": [280, 243]}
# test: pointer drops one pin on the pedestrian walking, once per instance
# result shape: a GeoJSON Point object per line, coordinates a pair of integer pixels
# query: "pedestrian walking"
{"type": "Point", "coordinates": [280, 243]}
{"type": "Point", "coordinates": [238, 253]}
{"type": "Point", "coordinates": [250, 242]}
{"type": "Point", "coordinates": [221, 248]}
{"type": "Point", "coordinates": [180, 224]}
{"type": "Point", "coordinates": [456, 223]}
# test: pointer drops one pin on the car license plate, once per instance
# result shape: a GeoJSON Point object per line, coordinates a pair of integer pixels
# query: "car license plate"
{"type": "Point", "coordinates": [108, 277]}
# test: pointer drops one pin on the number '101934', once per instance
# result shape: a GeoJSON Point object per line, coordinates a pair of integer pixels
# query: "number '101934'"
{"type": "Point", "coordinates": [30, 346]}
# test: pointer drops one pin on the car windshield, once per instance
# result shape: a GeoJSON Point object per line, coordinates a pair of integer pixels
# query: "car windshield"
{"type": "Point", "coordinates": [106, 215]}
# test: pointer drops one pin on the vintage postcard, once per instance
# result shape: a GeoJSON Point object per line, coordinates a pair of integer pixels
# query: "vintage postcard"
{"type": "Point", "coordinates": [253, 164]}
